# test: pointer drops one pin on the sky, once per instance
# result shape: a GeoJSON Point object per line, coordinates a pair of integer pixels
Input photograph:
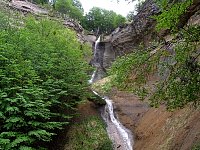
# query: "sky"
{"type": "Point", "coordinates": [122, 7]}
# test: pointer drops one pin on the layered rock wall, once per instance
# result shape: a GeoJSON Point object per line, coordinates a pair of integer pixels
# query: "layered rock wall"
{"type": "Point", "coordinates": [140, 30]}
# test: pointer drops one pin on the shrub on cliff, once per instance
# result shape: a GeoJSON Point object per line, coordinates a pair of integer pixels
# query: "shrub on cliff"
{"type": "Point", "coordinates": [171, 14]}
{"type": "Point", "coordinates": [179, 72]}
{"type": "Point", "coordinates": [42, 77]}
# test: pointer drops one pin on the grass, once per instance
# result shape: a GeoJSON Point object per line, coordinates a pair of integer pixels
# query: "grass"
{"type": "Point", "coordinates": [90, 134]}
{"type": "Point", "coordinates": [196, 147]}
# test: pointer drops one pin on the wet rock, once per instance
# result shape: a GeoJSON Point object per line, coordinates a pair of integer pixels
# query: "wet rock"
{"type": "Point", "coordinates": [96, 99]}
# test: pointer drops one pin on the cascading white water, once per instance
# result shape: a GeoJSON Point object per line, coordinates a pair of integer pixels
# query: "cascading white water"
{"type": "Point", "coordinates": [120, 136]}
{"type": "Point", "coordinates": [92, 78]}
{"type": "Point", "coordinates": [95, 48]}
{"type": "Point", "coordinates": [96, 43]}
{"type": "Point", "coordinates": [95, 51]}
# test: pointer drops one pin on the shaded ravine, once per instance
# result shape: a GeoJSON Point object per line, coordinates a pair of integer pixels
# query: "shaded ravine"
{"type": "Point", "coordinates": [121, 137]}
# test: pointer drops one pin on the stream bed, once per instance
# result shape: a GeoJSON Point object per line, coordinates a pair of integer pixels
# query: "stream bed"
{"type": "Point", "coordinates": [121, 137]}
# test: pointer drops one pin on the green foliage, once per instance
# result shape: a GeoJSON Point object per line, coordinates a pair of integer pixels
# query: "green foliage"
{"type": "Point", "coordinates": [89, 134]}
{"type": "Point", "coordinates": [73, 8]}
{"type": "Point", "coordinates": [139, 64]}
{"type": "Point", "coordinates": [179, 82]}
{"type": "Point", "coordinates": [102, 21]}
{"type": "Point", "coordinates": [170, 14]}
{"type": "Point", "coordinates": [78, 4]}
{"type": "Point", "coordinates": [196, 147]}
{"type": "Point", "coordinates": [3, 21]}
{"type": "Point", "coordinates": [42, 77]}
{"type": "Point", "coordinates": [182, 86]}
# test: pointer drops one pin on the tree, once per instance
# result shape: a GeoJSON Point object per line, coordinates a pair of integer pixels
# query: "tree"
{"type": "Point", "coordinates": [102, 21]}
{"type": "Point", "coordinates": [73, 8]}
{"type": "Point", "coordinates": [130, 15]}
{"type": "Point", "coordinates": [78, 5]}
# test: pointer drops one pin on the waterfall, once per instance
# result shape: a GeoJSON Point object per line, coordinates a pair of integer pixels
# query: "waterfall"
{"type": "Point", "coordinates": [95, 53]}
{"type": "Point", "coordinates": [120, 136]}
{"type": "Point", "coordinates": [96, 43]}
{"type": "Point", "coordinates": [92, 78]}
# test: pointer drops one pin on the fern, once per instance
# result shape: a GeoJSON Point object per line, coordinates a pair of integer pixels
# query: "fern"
{"type": "Point", "coordinates": [41, 134]}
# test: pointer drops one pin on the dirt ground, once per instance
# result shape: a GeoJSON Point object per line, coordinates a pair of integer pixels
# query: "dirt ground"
{"type": "Point", "coordinates": [157, 128]}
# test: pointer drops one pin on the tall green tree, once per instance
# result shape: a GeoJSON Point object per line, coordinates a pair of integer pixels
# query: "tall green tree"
{"type": "Point", "coordinates": [102, 21]}
{"type": "Point", "coordinates": [73, 8]}
{"type": "Point", "coordinates": [78, 4]}
{"type": "Point", "coordinates": [130, 15]}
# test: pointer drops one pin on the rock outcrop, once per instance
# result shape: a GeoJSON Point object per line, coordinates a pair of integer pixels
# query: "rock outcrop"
{"type": "Point", "coordinates": [140, 30]}
{"type": "Point", "coordinates": [27, 7]}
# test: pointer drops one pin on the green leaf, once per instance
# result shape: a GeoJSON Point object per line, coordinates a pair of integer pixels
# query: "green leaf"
{"type": "Point", "coordinates": [41, 134]}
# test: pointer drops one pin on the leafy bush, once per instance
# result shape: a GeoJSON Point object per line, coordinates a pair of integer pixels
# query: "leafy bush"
{"type": "Point", "coordinates": [131, 71]}
{"type": "Point", "coordinates": [170, 14]}
{"type": "Point", "coordinates": [42, 77]}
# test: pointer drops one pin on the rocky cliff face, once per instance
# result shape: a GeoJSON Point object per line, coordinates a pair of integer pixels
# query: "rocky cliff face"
{"type": "Point", "coordinates": [154, 128]}
{"type": "Point", "coordinates": [103, 56]}
{"type": "Point", "coordinates": [140, 30]}
{"type": "Point", "coordinates": [125, 38]}
{"type": "Point", "coordinates": [26, 7]}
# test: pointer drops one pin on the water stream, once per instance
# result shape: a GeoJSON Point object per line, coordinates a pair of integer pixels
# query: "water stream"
{"type": "Point", "coordinates": [121, 137]}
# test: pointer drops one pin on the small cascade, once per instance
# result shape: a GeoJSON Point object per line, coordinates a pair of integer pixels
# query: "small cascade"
{"type": "Point", "coordinates": [120, 136]}
{"type": "Point", "coordinates": [97, 61]}
{"type": "Point", "coordinates": [92, 78]}
{"type": "Point", "coordinates": [96, 43]}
